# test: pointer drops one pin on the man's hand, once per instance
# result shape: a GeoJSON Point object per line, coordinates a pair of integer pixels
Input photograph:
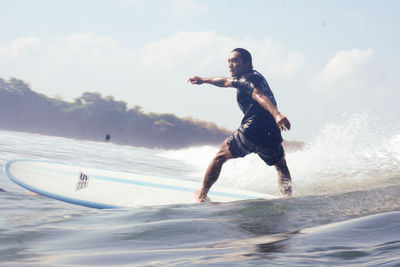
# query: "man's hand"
{"type": "Point", "coordinates": [196, 80]}
{"type": "Point", "coordinates": [217, 81]}
{"type": "Point", "coordinates": [282, 122]}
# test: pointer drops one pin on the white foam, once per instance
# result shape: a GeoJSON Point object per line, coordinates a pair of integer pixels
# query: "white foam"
{"type": "Point", "coordinates": [348, 156]}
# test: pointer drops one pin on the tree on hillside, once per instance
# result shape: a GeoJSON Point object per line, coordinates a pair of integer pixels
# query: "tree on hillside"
{"type": "Point", "coordinates": [92, 116]}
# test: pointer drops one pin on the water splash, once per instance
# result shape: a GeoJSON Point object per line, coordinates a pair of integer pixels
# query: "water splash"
{"type": "Point", "coordinates": [348, 156]}
{"type": "Point", "coordinates": [351, 155]}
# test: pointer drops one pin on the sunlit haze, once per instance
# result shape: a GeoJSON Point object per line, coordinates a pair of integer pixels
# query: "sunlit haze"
{"type": "Point", "coordinates": [322, 59]}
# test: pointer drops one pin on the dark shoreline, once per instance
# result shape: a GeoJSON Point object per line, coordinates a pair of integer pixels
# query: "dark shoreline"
{"type": "Point", "coordinates": [102, 119]}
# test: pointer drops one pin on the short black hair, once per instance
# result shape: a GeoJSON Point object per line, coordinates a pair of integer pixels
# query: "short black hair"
{"type": "Point", "coordinates": [245, 55]}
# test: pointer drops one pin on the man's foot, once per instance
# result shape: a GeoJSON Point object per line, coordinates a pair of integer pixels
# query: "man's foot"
{"type": "Point", "coordinates": [286, 188]}
{"type": "Point", "coordinates": [200, 199]}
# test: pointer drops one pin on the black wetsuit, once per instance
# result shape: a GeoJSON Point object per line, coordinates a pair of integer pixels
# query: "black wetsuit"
{"type": "Point", "coordinates": [258, 132]}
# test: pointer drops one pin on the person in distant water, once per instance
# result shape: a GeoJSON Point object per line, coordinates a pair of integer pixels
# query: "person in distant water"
{"type": "Point", "coordinates": [260, 129]}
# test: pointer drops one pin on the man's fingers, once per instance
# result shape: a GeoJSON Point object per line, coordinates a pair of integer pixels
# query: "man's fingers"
{"type": "Point", "coordinates": [284, 124]}
{"type": "Point", "coordinates": [195, 80]}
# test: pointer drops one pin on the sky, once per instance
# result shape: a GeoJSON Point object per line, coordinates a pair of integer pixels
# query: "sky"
{"type": "Point", "coordinates": [323, 59]}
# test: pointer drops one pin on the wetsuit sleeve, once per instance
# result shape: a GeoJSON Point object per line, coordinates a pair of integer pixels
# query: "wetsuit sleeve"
{"type": "Point", "coordinates": [235, 82]}
{"type": "Point", "coordinates": [247, 82]}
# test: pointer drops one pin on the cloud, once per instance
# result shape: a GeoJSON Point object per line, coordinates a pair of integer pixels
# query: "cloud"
{"type": "Point", "coordinates": [208, 51]}
{"type": "Point", "coordinates": [69, 65]}
{"type": "Point", "coordinates": [199, 50]}
{"type": "Point", "coordinates": [273, 58]}
{"type": "Point", "coordinates": [72, 63]}
{"type": "Point", "coordinates": [83, 48]}
{"type": "Point", "coordinates": [76, 47]}
{"type": "Point", "coordinates": [88, 61]}
{"type": "Point", "coordinates": [352, 70]}
{"type": "Point", "coordinates": [19, 47]}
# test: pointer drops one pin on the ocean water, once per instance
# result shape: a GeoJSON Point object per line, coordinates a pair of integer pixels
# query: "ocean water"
{"type": "Point", "coordinates": [345, 210]}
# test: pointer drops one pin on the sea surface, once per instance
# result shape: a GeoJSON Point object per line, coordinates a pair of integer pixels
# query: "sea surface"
{"type": "Point", "coordinates": [345, 210]}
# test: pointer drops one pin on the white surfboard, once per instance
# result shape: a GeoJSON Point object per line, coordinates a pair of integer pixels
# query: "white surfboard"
{"type": "Point", "coordinates": [98, 188]}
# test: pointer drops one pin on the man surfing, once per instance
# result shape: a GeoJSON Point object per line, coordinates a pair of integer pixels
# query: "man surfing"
{"type": "Point", "coordinates": [261, 126]}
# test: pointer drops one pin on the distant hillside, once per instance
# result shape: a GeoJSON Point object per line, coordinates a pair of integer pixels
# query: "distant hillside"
{"type": "Point", "coordinates": [98, 118]}
{"type": "Point", "coordinates": [93, 117]}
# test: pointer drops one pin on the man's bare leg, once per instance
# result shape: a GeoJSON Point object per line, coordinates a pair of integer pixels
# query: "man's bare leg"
{"type": "Point", "coordinates": [213, 171]}
{"type": "Point", "coordinates": [284, 178]}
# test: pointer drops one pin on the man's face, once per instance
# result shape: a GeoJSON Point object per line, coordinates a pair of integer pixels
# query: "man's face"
{"type": "Point", "coordinates": [237, 67]}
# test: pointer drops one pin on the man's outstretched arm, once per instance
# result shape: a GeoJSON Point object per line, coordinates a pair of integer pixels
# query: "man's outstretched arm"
{"type": "Point", "coordinates": [282, 122]}
{"type": "Point", "coordinates": [217, 81]}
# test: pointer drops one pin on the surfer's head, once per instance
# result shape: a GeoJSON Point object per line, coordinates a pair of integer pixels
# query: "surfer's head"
{"type": "Point", "coordinates": [239, 62]}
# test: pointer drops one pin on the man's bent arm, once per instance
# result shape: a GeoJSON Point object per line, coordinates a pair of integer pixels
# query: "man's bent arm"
{"type": "Point", "coordinates": [217, 81]}
{"type": "Point", "coordinates": [282, 122]}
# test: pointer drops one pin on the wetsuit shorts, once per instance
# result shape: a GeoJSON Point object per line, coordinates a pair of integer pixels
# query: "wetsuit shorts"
{"type": "Point", "coordinates": [240, 146]}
